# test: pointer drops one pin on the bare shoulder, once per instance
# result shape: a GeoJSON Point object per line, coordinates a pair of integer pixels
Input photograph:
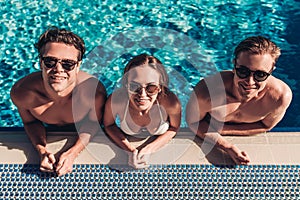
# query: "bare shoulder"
{"type": "Point", "coordinates": [214, 85]}
{"type": "Point", "coordinates": [117, 102]}
{"type": "Point", "coordinates": [279, 91]}
{"type": "Point", "coordinates": [27, 90]}
{"type": "Point", "coordinates": [118, 99]}
{"type": "Point", "coordinates": [83, 76]}
{"type": "Point", "coordinates": [89, 85]}
{"type": "Point", "coordinates": [170, 101]}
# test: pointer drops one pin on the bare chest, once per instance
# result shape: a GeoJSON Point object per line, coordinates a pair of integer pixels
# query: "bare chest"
{"type": "Point", "coordinates": [54, 113]}
{"type": "Point", "coordinates": [150, 121]}
{"type": "Point", "coordinates": [240, 112]}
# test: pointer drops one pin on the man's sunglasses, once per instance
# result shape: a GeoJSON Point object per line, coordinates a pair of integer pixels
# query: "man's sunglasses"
{"type": "Point", "coordinates": [150, 88]}
{"type": "Point", "coordinates": [258, 75]}
{"type": "Point", "coordinates": [66, 64]}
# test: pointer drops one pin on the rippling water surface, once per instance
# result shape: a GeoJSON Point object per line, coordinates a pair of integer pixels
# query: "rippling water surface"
{"type": "Point", "coordinates": [192, 38]}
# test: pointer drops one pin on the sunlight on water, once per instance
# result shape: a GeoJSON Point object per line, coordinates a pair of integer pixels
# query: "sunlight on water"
{"type": "Point", "coordinates": [192, 38]}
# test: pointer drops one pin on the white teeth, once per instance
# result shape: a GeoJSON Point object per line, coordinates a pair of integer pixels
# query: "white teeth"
{"type": "Point", "coordinates": [142, 100]}
{"type": "Point", "coordinates": [58, 78]}
{"type": "Point", "coordinates": [248, 88]}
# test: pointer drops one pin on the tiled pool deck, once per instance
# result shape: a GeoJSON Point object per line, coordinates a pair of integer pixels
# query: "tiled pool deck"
{"type": "Point", "coordinates": [184, 169]}
{"type": "Point", "coordinates": [185, 148]}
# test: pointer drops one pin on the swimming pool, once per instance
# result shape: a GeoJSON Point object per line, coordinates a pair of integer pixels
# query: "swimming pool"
{"type": "Point", "coordinates": [192, 38]}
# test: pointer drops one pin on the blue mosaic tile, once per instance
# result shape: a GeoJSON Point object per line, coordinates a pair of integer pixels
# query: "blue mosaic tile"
{"type": "Point", "coordinates": [157, 182]}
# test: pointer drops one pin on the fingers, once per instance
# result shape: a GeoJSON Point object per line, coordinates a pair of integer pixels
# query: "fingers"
{"type": "Point", "coordinates": [51, 158]}
{"type": "Point", "coordinates": [244, 158]}
{"type": "Point", "coordinates": [238, 156]}
{"type": "Point", "coordinates": [47, 162]}
{"type": "Point", "coordinates": [143, 158]}
{"type": "Point", "coordinates": [132, 159]}
{"type": "Point", "coordinates": [64, 166]}
{"type": "Point", "coordinates": [59, 165]}
{"type": "Point", "coordinates": [137, 161]}
{"type": "Point", "coordinates": [46, 169]}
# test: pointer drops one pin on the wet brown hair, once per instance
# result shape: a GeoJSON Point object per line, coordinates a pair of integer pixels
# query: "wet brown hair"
{"type": "Point", "coordinates": [258, 45]}
{"type": "Point", "coordinates": [55, 34]}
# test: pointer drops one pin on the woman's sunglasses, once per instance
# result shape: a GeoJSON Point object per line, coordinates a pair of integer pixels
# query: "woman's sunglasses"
{"type": "Point", "coordinates": [259, 76]}
{"type": "Point", "coordinates": [150, 88]}
{"type": "Point", "coordinates": [66, 64]}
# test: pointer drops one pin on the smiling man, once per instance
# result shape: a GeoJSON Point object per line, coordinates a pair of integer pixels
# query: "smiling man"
{"type": "Point", "coordinates": [245, 101]}
{"type": "Point", "coordinates": [60, 95]}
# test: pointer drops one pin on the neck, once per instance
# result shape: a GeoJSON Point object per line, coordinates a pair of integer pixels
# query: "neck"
{"type": "Point", "coordinates": [61, 95]}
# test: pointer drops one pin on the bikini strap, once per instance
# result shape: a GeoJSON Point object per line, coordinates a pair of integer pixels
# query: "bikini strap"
{"type": "Point", "coordinates": [161, 117]}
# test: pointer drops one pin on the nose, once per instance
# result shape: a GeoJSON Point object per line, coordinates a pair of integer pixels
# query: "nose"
{"type": "Point", "coordinates": [250, 79]}
{"type": "Point", "coordinates": [58, 67]}
{"type": "Point", "coordinates": [142, 92]}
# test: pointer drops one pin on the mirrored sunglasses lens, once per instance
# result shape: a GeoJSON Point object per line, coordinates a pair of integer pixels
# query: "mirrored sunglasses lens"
{"type": "Point", "coordinates": [242, 72]}
{"type": "Point", "coordinates": [50, 62]}
{"type": "Point", "coordinates": [134, 88]}
{"type": "Point", "coordinates": [260, 75]}
{"type": "Point", "coordinates": [152, 89]}
{"type": "Point", "coordinates": [68, 65]}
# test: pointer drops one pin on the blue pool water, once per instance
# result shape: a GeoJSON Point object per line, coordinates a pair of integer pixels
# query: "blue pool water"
{"type": "Point", "coordinates": [192, 38]}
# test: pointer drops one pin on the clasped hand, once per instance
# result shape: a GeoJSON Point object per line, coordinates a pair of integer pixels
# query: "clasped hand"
{"type": "Point", "coordinates": [63, 166]}
{"type": "Point", "coordinates": [139, 159]}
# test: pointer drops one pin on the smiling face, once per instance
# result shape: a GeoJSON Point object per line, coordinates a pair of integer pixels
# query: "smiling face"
{"type": "Point", "coordinates": [58, 79]}
{"type": "Point", "coordinates": [143, 76]}
{"type": "Point", "coordinates": [248, 87]}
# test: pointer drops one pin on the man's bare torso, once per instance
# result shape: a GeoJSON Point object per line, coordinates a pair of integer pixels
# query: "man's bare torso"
{"type": "Point", "coordinates": [69, 109]}
{"type": "Point", "coordinates": [229, 109]}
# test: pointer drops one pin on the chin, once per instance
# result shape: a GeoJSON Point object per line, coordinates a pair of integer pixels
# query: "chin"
{"type": "Point", "coordinates": [249, 95]}
{"type": "Point", "coordinates": [57, 88]}
{"type": "Point", "coordinates": [143, 106]}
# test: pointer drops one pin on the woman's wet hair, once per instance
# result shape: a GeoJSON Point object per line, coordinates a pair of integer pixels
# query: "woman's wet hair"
{"type": "Point", "coordinates": [144, 60]}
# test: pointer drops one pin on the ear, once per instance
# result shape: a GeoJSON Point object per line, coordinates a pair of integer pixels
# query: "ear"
{"type": "Point", "coordinates": [78, 66]}
{"type": "Point", "coordinates": [40, 63]}
{"type": "Point", "coordinates": [233, 62]}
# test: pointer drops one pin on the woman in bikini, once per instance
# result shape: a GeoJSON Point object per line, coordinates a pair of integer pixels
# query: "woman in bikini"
{"type": "Point", "coordinates": [146, 109]}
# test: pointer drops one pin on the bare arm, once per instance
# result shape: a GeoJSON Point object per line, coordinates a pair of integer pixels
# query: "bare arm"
{"type": "Point", "coordinates": [35, 130]}
{"type": "Point", "coordinates": [114, 132]}
{"type": "Point", "coordinates": [278, 110]}
{"type": "Point", "coordinates": [242, 129]}
{"type": "Point", "coordinates": [173, 108]}
{"type": "Point", "coordinates": [86, 129]}
{"type": "Point", "coordinates": [197, 112]}
{"type": "Point", "coordinates": [37, 135]}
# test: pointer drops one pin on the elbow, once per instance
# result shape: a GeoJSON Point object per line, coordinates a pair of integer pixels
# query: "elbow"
{"type": "Point", "coordinates": [267, 127]}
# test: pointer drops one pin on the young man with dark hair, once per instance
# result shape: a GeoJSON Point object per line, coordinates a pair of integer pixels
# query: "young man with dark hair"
{"type": "Point", "coordinates": [60, 94]}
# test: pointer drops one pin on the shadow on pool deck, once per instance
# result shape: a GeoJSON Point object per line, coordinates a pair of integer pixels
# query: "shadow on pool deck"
{"type": "Point", "coordinates": [185, 148]}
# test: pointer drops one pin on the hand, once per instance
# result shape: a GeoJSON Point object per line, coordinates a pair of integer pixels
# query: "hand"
{"type": "Point", "coordinates": [238, 156]}
{"type": "Point", "coordinates": [65, 164]}
{"type": "Point", "coordinates": [133, 160]}
{"type": "Point", "coordinates": [47, 162]}
{"type": "Point", "coordinates": [144, 156]}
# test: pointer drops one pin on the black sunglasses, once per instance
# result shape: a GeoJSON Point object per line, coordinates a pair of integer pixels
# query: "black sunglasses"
{"type": "Point", "coordinates": [66, 64]}
{"type": "Point", "coordinates": [258, 75]}
{"type": "Point", "coordinates": [150, 88]}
